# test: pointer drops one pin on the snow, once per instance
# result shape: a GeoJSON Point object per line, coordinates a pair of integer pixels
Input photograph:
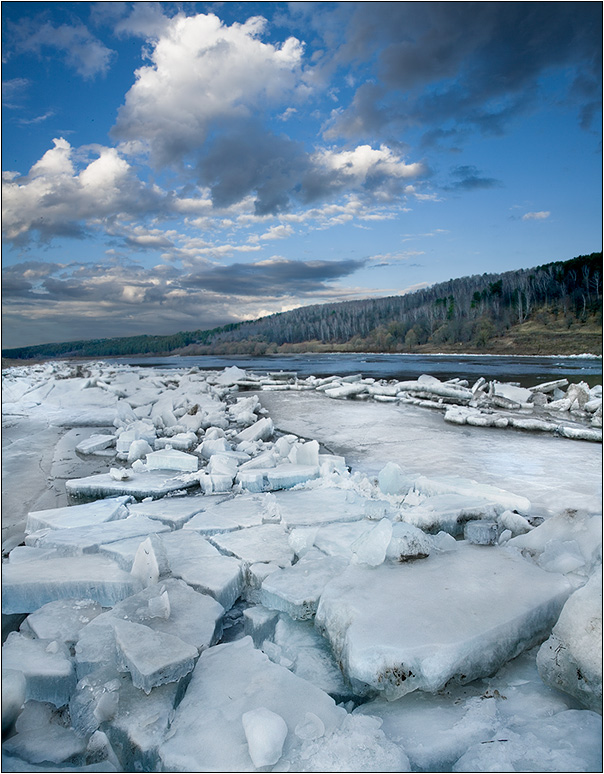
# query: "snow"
{"type": "Point", "coordinates": [444, 589]}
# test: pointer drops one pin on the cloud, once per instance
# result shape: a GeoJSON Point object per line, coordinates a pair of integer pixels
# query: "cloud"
{"type": "Point", "coordinates": [203, 72]}
{"type": "Point", "coordinates": [81, 50]}
{"type": "Point", "coordinates": [469, 178]}
{"type": "Point", "coordinates": [13, 91]}
{"type": "Point", "coordinates": [475, 66]}
{"type": "Point", "coordinates": [49, 302]}
{"type": "Point", "coordinates": [543, 215]}
{"type": "Point", "coordinates": [57, 199]}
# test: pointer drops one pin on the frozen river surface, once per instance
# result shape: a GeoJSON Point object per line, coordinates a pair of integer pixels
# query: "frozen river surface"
{"type": "Point", "coordinates": [220, 571]}
{"type": "Point", "coordinates": [553, 473]}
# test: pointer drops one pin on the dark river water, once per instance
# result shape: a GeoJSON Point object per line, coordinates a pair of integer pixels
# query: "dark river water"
{"type": "Point", "coordinates": [526, 370]}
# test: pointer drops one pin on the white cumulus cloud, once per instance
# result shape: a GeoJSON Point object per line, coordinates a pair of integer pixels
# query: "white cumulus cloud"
{"type": "Point", "coordinates": [543, 215]}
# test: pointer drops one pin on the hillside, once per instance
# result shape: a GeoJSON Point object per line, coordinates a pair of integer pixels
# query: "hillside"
{"type": "Point", "coordinates": [551, 309]}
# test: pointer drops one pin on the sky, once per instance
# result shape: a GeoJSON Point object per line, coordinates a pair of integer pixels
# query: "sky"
{"type": "Point", "coordinates": [178, 166]}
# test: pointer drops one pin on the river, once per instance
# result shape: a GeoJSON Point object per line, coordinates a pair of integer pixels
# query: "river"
{"type": "Point", "coordinates": [524, 369]}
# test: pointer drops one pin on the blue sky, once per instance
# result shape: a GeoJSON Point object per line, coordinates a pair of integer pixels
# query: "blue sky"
{"type": "Point", "coordinates": [171, 166]}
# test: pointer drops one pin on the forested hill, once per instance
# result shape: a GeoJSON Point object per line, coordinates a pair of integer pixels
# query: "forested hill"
{"type": "Point", "coordinates": [551, 309]}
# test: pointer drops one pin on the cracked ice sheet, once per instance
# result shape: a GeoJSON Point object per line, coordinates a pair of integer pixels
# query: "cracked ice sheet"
{"type": "Point", "coordinates": [232, 679]}
{"type": "Point", "coordinates": [461, 614]}
{"type": "Point", "coordinates": [553, 473]}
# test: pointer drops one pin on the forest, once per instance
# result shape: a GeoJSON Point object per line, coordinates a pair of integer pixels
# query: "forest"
{"type": "Point", "coordinates": [556, 306]}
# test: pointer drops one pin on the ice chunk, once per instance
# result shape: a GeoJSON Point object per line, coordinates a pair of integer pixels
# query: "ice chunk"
{"type": "Point", "coordinates": [46, 664]}
{"type": "Point", "coordinates": [286, 476]}
{"type": "Point", "coordinates": [370, 548]}
{"type": "Point", "coordinates": [407, 543]}
{"type": "Point", "coordinates": [139, 485]}
{"type": "Point", "coordinates": [145, 566]}
{"type": "Point", "coordinates": [180, 441]}
{"type": "Point", "coordinates": [306, 507]}
{"type": "Point", "coordinates": [230, 376]}
{"type": "Point", "coordinates": [571, 659]}
{"type": "Point", "coordinates": [265, 732]}
{"type": "Point", "coordinates": [266, 543]}
{"type": "Point", "coordinates": [228, 515]}
{"type": "Point", "coordinates": [26, 586]}
{"type": "Point", "coordinates": [408, 626]}
{"type": "Point", "coordinates": [512, 392]}
{"type": "Point", "coordinates": [261, 430]}
{"type": "Point", "coordinates": [570, 525]}
{"type": "Point", "coordinates": [138, 450]}
{"type": "Point", "coordinates": [337, 539]}
{"type": "Point", "coordinates": [568, 741]}
{"type": "Point", "coordinates": [482, 532]}
{"type": "Point", "coordinates": [62, 620]}
{"type": "Point", "coordinates": [514, 522]}
{"type": "Point", "coordinates": [13, 696]}
{"type": "Point", "coordinates": [200, 565]}
{"type": "Point", "coordinates": [392, 480]}
{"type": "Point", "coordinates": [194, 618]}
{"type": "Point", "coordinates": [212, 446]}
{"type": "Point", "coordinates": [42, 738]}
{"type": "Point", "coordinates": [259, 623]}
{"type": "Point", "coordinates": [296, 590]}
{"type": "Point", "coordinates": [139, 724]}
{"type": "Point", "coordinates": [172, 459]}
{"type": "Point", "coordinates": [152, 658]}
{"type": "Point", "coordinates": [501, 499]}
{"type": "Point", "coordinates": [230, 680]}
{"type": "Point", "coordinates": [88, 539]}
{"type": "Point", "coordinates": [95, 443]}
{"type": "Point", "coordinates": [97, 512]}
{"type": "Point", "coordinates": [173, 511]}
{"type": "Point", "coordinates": [305, 453]}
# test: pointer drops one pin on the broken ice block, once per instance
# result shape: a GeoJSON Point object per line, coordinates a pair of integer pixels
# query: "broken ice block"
{"type": "Point", "coordinates": [296, 590]}
{"type": "Point", "coordinates": [88, 539]}
{"type": "Point", "coordinates": [571, 659]}
{"type": "Point", "coordinates": [403, 627]}
{"type": "Point", "coordinates": [407, 543]}
{"type": "Point", "coordinates": [261, 430]}
{"type": "Point", "coordinates": [95, 443]}
{"type": "Point", "coordinates": [481, 532]}
{"type": "Point", "coordinates": [173, 511]}
{"type": "Point", "coordinates": [97, 512]}
{"type": "Point", "coordinates": [62, 620]}
{"type": "Point", "coordinates": [370, 548]}
{"type": "Point", "coordinates": [46, 664]}
{"type": "Point", "coordinates": [172, 459]}
{"type": "Point", "coordinates": [26, 586]}
{"type": "Point", "coordinates": [265, 543]}
{"type": "Point", "coordinates": [392, 480]}
{"type": "Point", "coordinates": [139, 485]}
{"type": "Point", "coordinates": [265, 732]}
{"type": "Point", "coordinates": [306, 507]}
{"type": "Point", "coordinates": [228, 515]}
{"type": "Point", "coordinates": [152, 658]}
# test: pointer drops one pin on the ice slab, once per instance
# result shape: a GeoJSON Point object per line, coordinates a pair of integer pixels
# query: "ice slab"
{"type": "Point", "coordinates": [139, 485]}
{"type": "Point", "coordinates": [230, 680]}
{"type": "Point", "coordinates": [567, 741]}
{"type": "Point", "coordinates": [95, 443]}
{"type": "Point", "coordinates": [87, 540]}
{"type": "Point", "coordinates": [200, 564]}
{"type": "Point", "coordinates": [448, 512]}
{"type": "Point", "coordinates": [501, 499]}
{"type": "Point", "coordinates": [265, 732]}
{"type": "Point", "coordinates": [46, 664]}
{"type": "Point", "coordinates": [172, 459]}
{"type": "Point", "coordinates": [325, 505]}
{"type": "Point", "coordinates": [266, 543]}
{"type": "Point", "coordinates": [62, 620]}
{"type": "Point", "coordinates": [82, 515]}
{"type": "Point", "coordinates": [43, 738]}
{"type": "Point", "coordinates": [153, 658]}
{"type": "Point", "coordinates": [261, 430]}
{"type": "Point", "coordinates": [173, 511]}
{"type": "Point", "coordinates": [337, 539]}
{"type": "Point", "coordinates": [228, 515]}
{"type": "Point", "coordinates": [283, 476]}
{"type": "Point", "coordinates": [571, 659]}
{"type": "Point", "coordinates": [194, 618]}
{"type": "Point", "coordinates": [437, 729]}
{"type": "Point", "coordinates": [296, 590]}
{"type": "Point", "coordinates": [26, 586]}
{"type": "Point", "coordinates": [13, 696]}
{"type": "Point", "coordinates": [460, 614]}
{"type": "Point", "coordinates": [139, 724]}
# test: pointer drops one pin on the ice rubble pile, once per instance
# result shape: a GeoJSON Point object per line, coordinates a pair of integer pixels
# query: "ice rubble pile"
{"type": "Point", "coordinates": [235, 600]}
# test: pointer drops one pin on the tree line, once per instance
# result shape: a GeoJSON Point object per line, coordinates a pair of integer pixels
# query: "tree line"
{"type": "Point", "coordinates": [466, 311]}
